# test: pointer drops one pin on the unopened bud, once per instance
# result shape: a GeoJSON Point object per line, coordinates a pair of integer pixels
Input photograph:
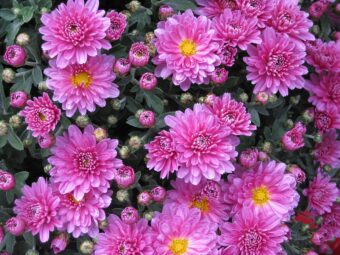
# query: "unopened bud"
{"type": "Point", "coordinates": [42, 86]}
{"type": "Point", "coordinates": [122, 195]}
{"type": "Point", "coordinates": [148, 215]}
{"type": "Point", "coordinates": [135, 142]}
{"type": "Point", "coordinates": [8, 75]}
{"type": "Point", "coordinates": [112, 120]}
{"type": "Point", "coordinates": [86, 247]}
{"type": "Point", "coordinates": [82, 121]}
{"type": "Point", "coordinates": [15, 121]}
{"type": "Point", "coordinates": [100, 134]}
{"type": "Point", "coordinates": [133, 6]}
{"type": "Point", "coordinates": [23, 39]}
{"type": "Point", "coordinates": [244, 97]}
{"type": "Point", "coordinates": [3, 128]}
{"type": "Point", "coordinates": [124, 152]}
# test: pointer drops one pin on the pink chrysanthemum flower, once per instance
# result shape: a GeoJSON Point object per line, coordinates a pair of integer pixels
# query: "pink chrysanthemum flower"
{"type": "Point", "coordinates": [324, 90]}
{"type": "Point", "coordinates": [118, 25]}
{"type": "Point", "coordinates": [213, 8]}
{"type": "Point", "coordinates": [41, 115]}
{"type": "Point", "coordinates": [232, 115]}
{"type": "Point", "coordinates": [74, 31]}
{"type": "Point", "coordinates": [206, 196]}
{"type": "Point", "coordinates": [328, 119]}
{"type": "Point", "coordinates": [120, 238]}
{"type": "Point", "coordinates": [331, 221]}
{"type": "Point", "coordinates": [81, 164]}
{"type": "Point", "coordinates": [260, 9]}
{"type": "Point", "coordinates": [185, 49]}
{"type": "Point", "coordinates": [38, 208]}
{"type": "Point", "coordinates": [328, 151]}
{"type": "Point", "coordinates": [287, 18]}
{"type": "Point", "coordinates": [293, 139]}
{"type": "Point", "coordinates": [260, 189]}
{"type": "Point", "coordinates": [227, 54]}
{"type": "Point", "coordinates": [82, 87]}
{"type": "Point", "coordinates": [235, 29]}
{"type": "Point", "coordinates": [205, 148]}
{"type": "Point", "coordinates": [82, 216]}
{"type": "Point", "coordinates": [321, 193]}
{"type": "Point", "coordinates": [251, 233]}
{"type": "Point", "coordinates": [180, 230]}
{"type": "Point", "coordinates": [276, 65]}
{"type": "Point", "coordinates": [162, 154]}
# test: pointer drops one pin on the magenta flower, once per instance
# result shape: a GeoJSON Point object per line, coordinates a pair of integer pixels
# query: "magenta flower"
{"type": "Point", "coordinates": [298, 173]}
{"type": "Point", "coordinates": [46, 141]}
{"type": "Point", "coordinates": [18, 99]}
{"type": "Point", "coordinates": [219, 76]}
{"type": "Point", "coordinates": [82, 87]}
{"type": "Point", "coordinates": [117, 25]}
{"type": "Point", "coordinates": [147, 119]}
{"type": "Point", "coordinates": [260, 190]}
{"type": "Point", "coordinates": [206, 196]}
{"type": "Point", "coordinates": [165, 11]}
{"type": "Point", "coordinates": [227, 54]}
{"type": "Point", "coordinates": [147, 81]}
{"type": "Point", "coordinates": [41, 115]}
{"type": "Point", "coordinates": [235, 29]}
{"type": "Point", "coordinates": [321, 194]}
{"type": "Point", "coordinates": [121, 238]}
{"type": "Point", "coordinates": [16, 226]}
{"type": "Point", "coordinates": [122, 66]}
{"type": "Point", "coordinates": [249, 158]}
{"type": "Point", "coordinates": [129, 215]}
{"type": "Point", "coordinates": [328, 119]}
{"type": "Point", "coordinates": [158, 194]}
{"type": "Point", "coordinates": [276, 65]}
{"type": "Point", "coordinates": [15, 55]}
{"type": "Point", "coordinates": [232, 115]}
{"type": "Point", "coordinates": [124, 176]}
{"type": "Point", "coordinates": [251, 233]}
{"type": "Point", "coordinates": [317, 9]}
{"type": "Point", "coordinates": [287, 18]}
{"type": "Point", "coordinates": [180, 230]}
{"type": "Point", "coordinates": [144, 198]}
{"type": "Point", "coordinates": [7, 180]}
{"type": "Point", "coordinates": [139, 54]}
{"type": "Point", "coordinates": [162, 154]}
{"type": "Point", "coordinates": [293, 139]}
{"type": "Point", "coordinates": [59, 243]}
{"type": "Point", "coordinates": [74, 31]}
{"type": "Point", "coordinates": [205, 148]}
{"type": "Point", "coordinates": [80, 164]}
{"type": "Point", "coordinates": [331, 221]}
{"type": "Point", "coordinates": [328, 151]}
{"type": "Point", "coordinates": [260, 9]}
{"type": "Point", "coordinates": [186, 50]}
{"type": "Point", "coordinates": [38, 208]}
{"type": "Point", "coordinates": [213, 8]}
{"type": "Point", "coordinates": [324, 90]}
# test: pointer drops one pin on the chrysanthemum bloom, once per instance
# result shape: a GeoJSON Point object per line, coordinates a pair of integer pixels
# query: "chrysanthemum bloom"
{"type": "Point", "coordinates": [220, 75]}
{"type": "Point", "coordinates": [117, 25]}
{"type": "Point", "coordinates": [321, 193]}
{"type": "Point", "coordinates": [121, 238]}
{"type": "Point", "coordinates": [59, 243]}
{"type": "Point", "coordinates": [16, 226]}
{"type": "Point", "coordinates": [38, 208]}
{"type": "Point", "coordinates": [15, 55]}
{"type": "Point", "coordinates": [82, 216]}
{"type": "Point", "coordinates": [124, 176]}
{"type": "Point", "coordinates": [232, 115]}
{"type": "Point", "coordinates": [7, 180]}
{"type": "Point", "coordinates": [227, 54]}
{"type": "Point", "coordinates": [261, 189]}
{"type": "Point", "coordinates": [158, 194]}
{"type": "Point", "coordinates": [251, 233]}
{"type": "Point", "coordinates": [317, 9]}
{"type": "Point", "coordinates": [182, 231]}
{"type": "Point", "coordinates": [293, 139]}
{"type": "Point", "coordinates": [276, 65]}
{"type": "Point", "coordinates": [129, 215]}
{"type": "Point", "coordinates": [235, 29]}
{"type": "Point", "coordinates": [328, 151]}
{"type": "Point", "coordinates": [328, 119]}
{"type": "Point", "coordinates": [147, 119]}
{"type": "Point", "coordinates": [18, 99]}
{"type": "Point", "coordinates": [213, 8]}
{"type": "Point", "coordinates": [331, 221]}
{"type": "Point", "coordinates": [148, 81]}
{"type": "Point", "coordinates": [139, 54]}
{"type": "Point", "coordinates": [205, 147]}
{"type": "Point", "coordinates": [81, 164]}
{"type": "Point", "coordinates": [297, 172]}
{"type": "Point", "coordinates": [41, 115]}
{"type": "Point", "coordinates": [162, 155]}
{"type": "Point", "coordinates": [249, 158]}
{"type": "Point", "coordinates": [206, 196]}
{"type": "Point", "coordinates": [287, 18]}
{"type": "Point", "coordinates": [74, 31]}
{"type": "Point", "coordinates": [122, 66]}
{"type": "Point", "coordinates": [144, 198]}
{"type": "Point", "coordinates": [321, 236]}
{"type": "Point", "coordinates": [82, 87]}
{"type": "Point", "coordinates": [260, 9]}
{"type": "Point", "coordinates": [324, 90]}
{"type": "Point", "coordinates": [185, 49]}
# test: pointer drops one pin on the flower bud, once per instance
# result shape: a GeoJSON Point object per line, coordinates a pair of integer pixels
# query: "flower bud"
{"type": "Point", "coordinates": [201, 100]}
{"type": "Point", "coordinates": [151, 49]}
{"type": "Point", "coordinates": [86, 247]}
{"type": "Point", "coordinates": [248, 158]}
{"type": "Point", "coordinates": [116, 104]}
{"type": "Point", "coordinates": [295, 100]}
{"type": "Point", "coordinates": [23, 39]}
{"type": "Point", "coordinates": [139, 54]}
{"type": "Point", "coordinates": [3, 128]}
{"type": "Point", "coordinates": [158, 194]}
{"type": "Point", "coordinates": [44, 10]}
{"type": "Point", "coordinates": [165, 11]}
{"type": "Point", "coordinates": [289, 123]}
{"type": "Point", "coordinates": [82, 121]}
{"type": "Point", "coordinates": [15, 55]}
{"type": "Point", "coordinates": [124, 152]}
{"type": "Point", "coordinates": [327, 168]}
{"type": "Point", "coordinates": [42, 86]}
{"type": "Point", "coordinates": [298, 174]}
{"type": "Point", "coordinates": [8, 75]}
{"type": "Point", "coordinates": [27, 142]}
{"type": "Point", "coordinates": [126, 13]}
{"type": "Point", "coordinates": [186, 98]}
{"type": "Point", "coordinates": [15, 121]}
{"type": "Point", "coordinates": [144, 198]}
{"type": "Point", "coordinates": [263, 156]}
{"type": "Point", "coordinates": [148, 215]}
{"type": "Point", "coordinates": [149, 36]}
{"type": "Point", "coordinates": [293, 139]}
{"type": "Point", "coordinates": [135, 32]}
{"type": "Point", "coordinates": [133, 6]}
{"type": "Point", "coordinates": [219, 75]}
{"type": "Point", "coordinates": [308, 115]}
{"type": "Point", "coordinates": [7, 180]}
{"type": "Point", "coordinates": [272, 99]}
{"type": "Point", "coordinates": [267, 147]}
{"type": "Point", "coordinates": [147, 81]}
{"type": "Point", "coordinates": [317, 9]}
{"type": "Point", "coordinates": [135, 142]}
{"type": "Point", "coordinates": [18, 99]}
{"type": "Point", "coordinates": [147, 119]}
{"type": "Point", "coordinates": [244, 97]}
{"type": "Point", "coordinates": [209, 99]}
{"type": "Point", "coordinates": [316, 30]}
{"type": "Point", "coordinates": [15, 226]}
{"type": "Point", "coordinates": [112, 120]}
{"type": "Point", "coordinates": [122, 195]}
{"type": "Point", "coordinates": [262, 98]}
{"type": "Point", "coordinates": [122, 66]}
{"type": "Point", "coordinates": [100, 134]}
{"type": "Point", "coordinates": [318, 138]}
{"type": "Point", "coordinates": [32, 252]}
{"type": "Point", "coordinates": [129, 215]}
{"type": "Point", "coordinates": [103, 224]}
{"type": "Point", "coordinates": [124, 176]}
{"type": "Point", "coordinates": [59, 243]}
{"type": "Point", "coordinates": [46, 141]}
{"type": "Point", "coordinates": [47, 168]}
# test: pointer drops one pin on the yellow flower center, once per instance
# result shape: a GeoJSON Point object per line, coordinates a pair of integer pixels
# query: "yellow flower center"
{"type": "Point", "coordinates": [41, 116]}
{"type": "Point", "coordinates": [178, 246]}
{"type": "Point", "coordinates": [261, 195]}
{"type": "Point", "coordinates": [71, 198]}
{"type": "Point", "coordinates": [202, 204]}
{"type": "Point", "coordinates": [81, 79]}
{"type": "Point", "coordinates": [188, 48]}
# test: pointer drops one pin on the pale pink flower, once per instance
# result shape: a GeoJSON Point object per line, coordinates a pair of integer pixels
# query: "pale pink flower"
{"type": "Point", "coordinates": [328, 151]}
{"type": "Point", "coordinates": [15, 55]}
{"type": "Point", "coordinates": [185, 49]}
{"type": "Point", "coordinates": [117, 25]}
{"type": "Point", "coordinates": [213, 8]}
{"type": "Point", "coordinates": [41, 115]}
{"type": "Point", "coordinates": [260, 9]}
{"type": "Point", "coordinates": [82, 87]}
{"type": "Point", "coordinates": [74, 32]}
{"type": "Point", "coordinates": [235, 29]}
{"type": "Point", "coordinates": [80, 164]}
{"type": "Point", "coordinates": [276, 65]}
{"type": "Point", "coordinates": [293, 139]}
{"type": "Point", "coordinates": [38, 208]}
{"type": "Point", "coordinates": [328, 119]}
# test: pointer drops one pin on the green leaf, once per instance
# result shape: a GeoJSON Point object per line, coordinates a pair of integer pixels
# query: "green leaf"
{"type": "Point", "coordinates": [7, 14]}
{"type": "Point", "coordinates": [132, 121]}
{"type": "Point", "coordinates": [132, 105]}
{"type": "Point", "coordinates": [9, 241]}
{"type": "Point", "coordinates": [14, 140]}
{"type": "Point", "coordinates": [21, 177]}
{"type": "Point", "coordinates": [10, 196]}
{"type": "Point", "coordinates": [45, 4]}
{"type": "Point", "coordinates": [3, 141]}
{"type": "Point", "coordinates": [29, 238]}
{"type": "Point", "coordinates": [181, 5]}
{"type": "Point", "coordinates": [141, 18]}
{"type": "Point", "coordinates": [27, 13]}
{"type": "Point", "coordinates": [154, 101]}
{"type": "Point", "coordinates": [255, 118]}
{"type": "Point", "coordinates": [37, 75]}
{"type": "Point", "coordinates": [12, 31]}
